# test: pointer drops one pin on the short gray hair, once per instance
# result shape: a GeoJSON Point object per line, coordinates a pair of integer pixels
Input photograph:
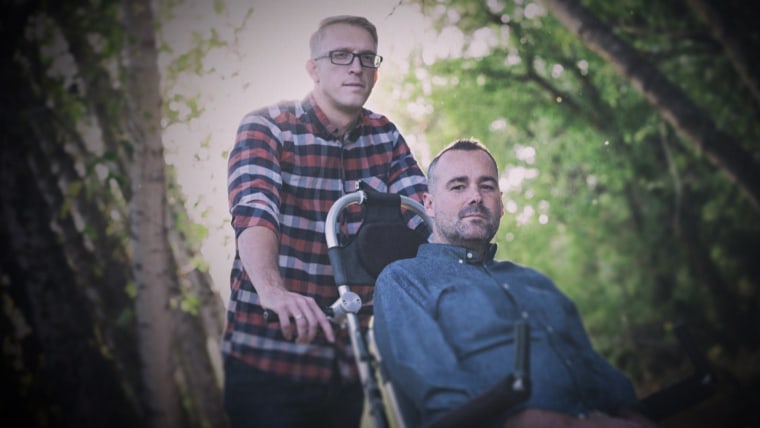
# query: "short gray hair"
{"type": "Point", "coordinates": [357, 21]}
{"type": "Point", "coordinates": [465, 144]}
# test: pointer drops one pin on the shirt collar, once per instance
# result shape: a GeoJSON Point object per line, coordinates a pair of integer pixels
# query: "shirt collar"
{"type": "Point", "coordinates": [456, 253]}
{"type": "Point", "coordinates": [326, 128]}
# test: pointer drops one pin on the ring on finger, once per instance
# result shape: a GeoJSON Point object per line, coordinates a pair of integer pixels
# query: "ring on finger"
{"type": "Point", "coordinates": [298, 316]}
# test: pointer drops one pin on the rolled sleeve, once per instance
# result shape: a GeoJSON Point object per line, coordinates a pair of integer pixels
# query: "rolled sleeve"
{"type": "Point", "coordinates": [254, 176]}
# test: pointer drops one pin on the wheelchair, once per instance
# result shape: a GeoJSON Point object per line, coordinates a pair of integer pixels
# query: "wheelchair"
{"type": "Point", "coordinates": [384, 237]}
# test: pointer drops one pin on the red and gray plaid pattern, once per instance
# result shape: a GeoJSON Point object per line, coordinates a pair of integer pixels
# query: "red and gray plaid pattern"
{"type": "Point", "coordinates": [285, 171]}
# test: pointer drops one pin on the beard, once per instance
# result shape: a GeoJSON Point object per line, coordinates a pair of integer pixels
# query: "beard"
{"type": "Point", "coordinates": [464, 230]}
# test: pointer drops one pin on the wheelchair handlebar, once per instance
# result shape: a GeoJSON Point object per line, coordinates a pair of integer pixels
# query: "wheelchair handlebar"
{"type": "Point", "coordinates": [358, 198]}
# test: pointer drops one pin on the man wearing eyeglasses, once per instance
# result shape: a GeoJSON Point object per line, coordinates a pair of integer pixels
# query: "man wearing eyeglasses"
{"type": "Point", "coordinates": [290, 162]}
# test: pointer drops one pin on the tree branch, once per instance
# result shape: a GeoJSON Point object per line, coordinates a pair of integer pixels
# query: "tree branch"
{"type": "Point", "coordinates": [722, 31]}
{"type": "Point", "coordinates": [692, 123]}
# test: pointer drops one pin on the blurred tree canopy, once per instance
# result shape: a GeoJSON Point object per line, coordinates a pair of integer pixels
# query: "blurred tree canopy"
{"type": "Point", "coordinates": [627, 135]}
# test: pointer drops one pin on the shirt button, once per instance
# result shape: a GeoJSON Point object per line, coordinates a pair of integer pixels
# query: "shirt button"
{"type": "Point", "coordinates": [461, 261]}
{"type": "Point", "coordinates": [525, 315]}
{"type": "Point", "coordinates": [568, 362]}
{"type": "Point", "coordinates": [505, 285]}
{"type": "Point", "coordinates": [469, 255]}
{"type": "Point", "coordinates": [550, 329]}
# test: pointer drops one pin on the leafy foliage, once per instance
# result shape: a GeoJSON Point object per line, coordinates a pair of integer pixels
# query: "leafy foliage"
{"type": "Point", "coordinates": [637, 226]}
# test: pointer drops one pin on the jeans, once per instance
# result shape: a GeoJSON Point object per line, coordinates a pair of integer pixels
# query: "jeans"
{"type": "Point", "coordinates": [253, 399]}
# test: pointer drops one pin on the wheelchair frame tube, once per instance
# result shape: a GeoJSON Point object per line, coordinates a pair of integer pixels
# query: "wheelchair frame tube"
{"type": "Point", "coordinates": [359, 197]}
{"type": "Point", "coordinates": [347, 305]}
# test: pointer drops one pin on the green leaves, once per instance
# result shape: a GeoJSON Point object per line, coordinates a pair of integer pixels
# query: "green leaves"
{"type": "Point", "coordinates": [629, 219]}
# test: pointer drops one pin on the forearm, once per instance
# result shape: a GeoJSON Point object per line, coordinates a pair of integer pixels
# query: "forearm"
{"type": "Point", "coordinates": [259, 252]}
{"type": "Point", "coordinates": [536, 418]}
{"type": "Point", "coordinates": [298, 314]}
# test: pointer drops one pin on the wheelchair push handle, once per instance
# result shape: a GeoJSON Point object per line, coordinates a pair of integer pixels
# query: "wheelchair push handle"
{"type": "Point", "coordinates": [271, 316]}
{"type": "Point", "coordinates": [347, 302]}
{"type": "Point", "coordinates": [367, 196]}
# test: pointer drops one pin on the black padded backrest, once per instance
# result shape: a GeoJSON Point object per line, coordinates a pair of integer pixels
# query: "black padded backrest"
{"type": "Point", "coordinates": [382, 238]}
{"type": "Point", "coordinates": [380, 244]}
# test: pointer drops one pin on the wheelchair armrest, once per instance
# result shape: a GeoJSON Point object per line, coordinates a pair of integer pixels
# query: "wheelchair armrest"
{"type": "Point", "coordinates": [509, 392]}
{"type": "Point", "coordinates": [687, 392]}
{"type": "Point", "coordinates": [486, 406]}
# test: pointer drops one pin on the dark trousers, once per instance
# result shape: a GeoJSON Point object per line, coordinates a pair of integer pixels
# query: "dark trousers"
{"type": "Point", "coordinates": [254, 399]}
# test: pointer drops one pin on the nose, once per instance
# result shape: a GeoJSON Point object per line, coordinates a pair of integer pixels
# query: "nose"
{"type": "Point", "coordinates": [355, 65]}
{"type": "Point", "coordinates": [475, 196]}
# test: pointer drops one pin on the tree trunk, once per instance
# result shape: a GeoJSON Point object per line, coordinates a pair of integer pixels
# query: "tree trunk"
{"type": "Point", "coordinates": [693, 124]}
{"type": "Point", "coordinates": [70, 355]}
{"type": "Point", "coordinates": [58, 352]}
{"type": "Point", "coordinates": [200, 333]}
{"type": "Point", "coordinates": [150, 248]}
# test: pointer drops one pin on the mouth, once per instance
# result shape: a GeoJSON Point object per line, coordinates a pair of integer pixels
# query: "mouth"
{"type": "Point", "coordinates": [474, 213]}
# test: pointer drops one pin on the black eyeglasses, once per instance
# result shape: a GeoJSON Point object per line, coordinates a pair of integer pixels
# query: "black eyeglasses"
{"type": "Point", "coordinates": [368, 60]}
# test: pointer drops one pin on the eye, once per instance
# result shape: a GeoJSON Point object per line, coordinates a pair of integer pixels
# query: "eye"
{"type": "Point", "coordinates": [341, 55]}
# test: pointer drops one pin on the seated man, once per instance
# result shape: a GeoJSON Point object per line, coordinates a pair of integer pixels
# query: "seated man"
{"type": "Point", "coordinates": [444, 321]}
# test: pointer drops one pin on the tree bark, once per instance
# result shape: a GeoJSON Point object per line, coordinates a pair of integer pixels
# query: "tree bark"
{"type": "Point", "coordinates": [692, 123]}
{"type": "Point", "coordinates": [70, 355]}
{"type": "Point", "coordinates": [51, 275]}
{"type": "Point", "coordinates": [104, 100]}
{"type": "Point", "coordinates": [199, 333]}
{"type": "Point", "coordinates": [65, 365]}
{"type": "Point", "coordinates": [150, 248]}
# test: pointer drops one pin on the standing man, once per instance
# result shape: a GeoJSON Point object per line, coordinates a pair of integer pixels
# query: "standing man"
{"type": "Point", "coordinates": [290, 162]}
{"type": "Point", "coordinates": [445, 320]}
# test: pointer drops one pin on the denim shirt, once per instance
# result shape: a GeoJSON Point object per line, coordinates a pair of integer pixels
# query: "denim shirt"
{"type": "Point", "coordinates": [444, 325]}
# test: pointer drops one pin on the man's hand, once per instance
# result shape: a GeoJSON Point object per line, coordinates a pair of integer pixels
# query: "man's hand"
{"type": "Point", "coordinates": [298, 314]}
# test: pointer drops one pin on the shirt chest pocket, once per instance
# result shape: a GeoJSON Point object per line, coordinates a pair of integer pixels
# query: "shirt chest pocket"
{"type": "Point", "coordinates": [466, 314]}
{"type": "Point", "coordinates": [546, 305]}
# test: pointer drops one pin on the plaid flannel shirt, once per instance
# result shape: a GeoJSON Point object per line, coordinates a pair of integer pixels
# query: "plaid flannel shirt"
{"type": "Point", "coordinates": [285, 171]}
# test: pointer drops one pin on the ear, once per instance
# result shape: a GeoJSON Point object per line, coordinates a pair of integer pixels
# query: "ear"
{"type": "Point", "coordinates": [377, 74]}
{"type": "Point", "coordinates": [311, 69]}
{"type": "Point", "coordinates": [427, 203]}
{"type": "Point", "coordinates": [501, 204]}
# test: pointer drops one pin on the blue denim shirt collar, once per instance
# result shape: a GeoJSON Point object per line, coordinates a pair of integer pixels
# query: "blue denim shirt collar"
{"type": "Point", "coordinates": [461, 254]}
